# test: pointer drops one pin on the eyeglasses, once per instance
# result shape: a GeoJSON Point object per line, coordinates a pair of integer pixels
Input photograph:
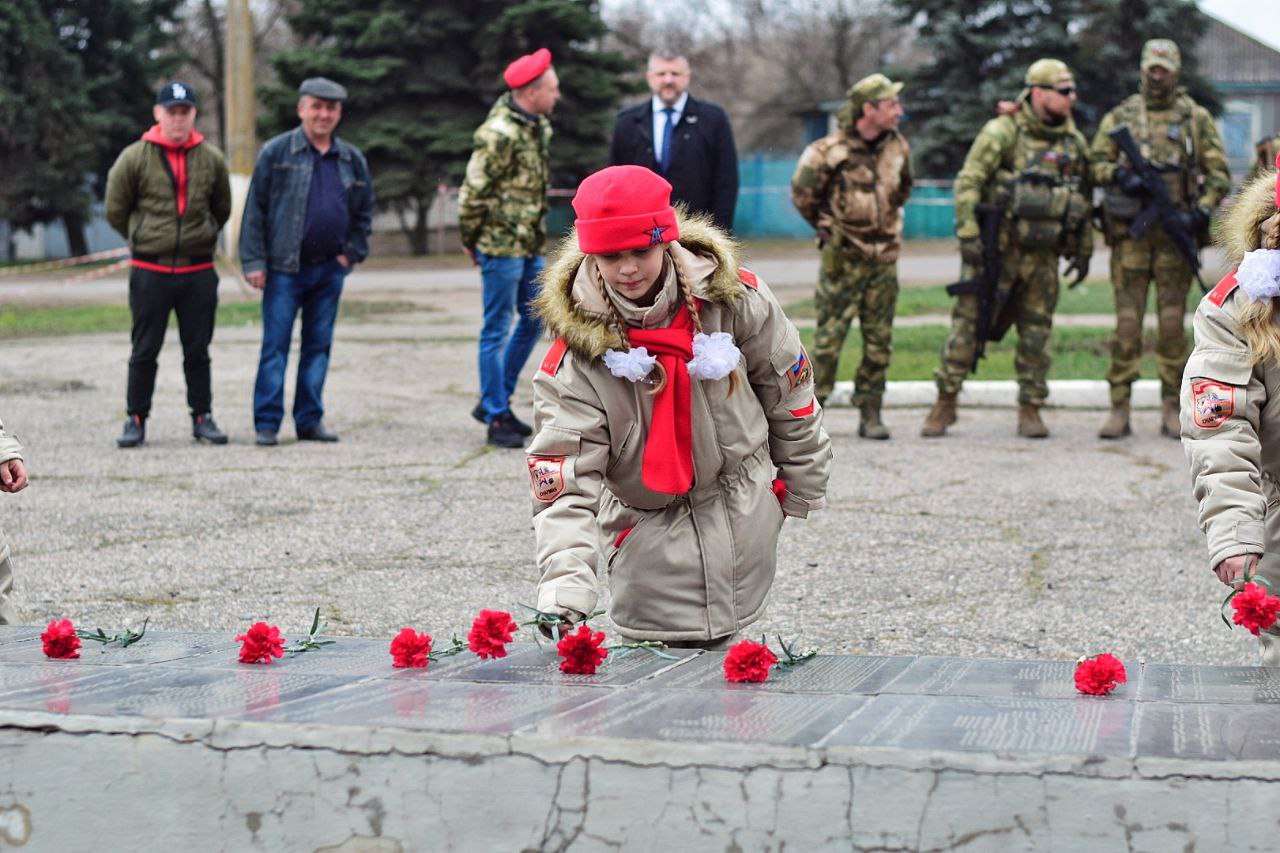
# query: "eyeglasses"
{"type": "Point", "coordinates": [1064, 91]}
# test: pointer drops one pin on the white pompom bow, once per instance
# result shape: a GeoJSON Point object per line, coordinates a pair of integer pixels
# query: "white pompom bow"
{"type": "Point", "coordinates": [714, 356]}
{"type": "Point", "coordinates": [632, 365]}
{"type": "Point", "coordinates": [1259, 274]}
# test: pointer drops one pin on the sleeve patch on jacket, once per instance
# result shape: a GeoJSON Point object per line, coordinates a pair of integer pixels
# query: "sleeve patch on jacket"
{"type": "Point", "coordinates": [801, 372]}
{"type": "Point", "coordinates": [748, 278]}
{"type": "Point", "coordinates": [1212, 403]}
{"type": "Point", "coordinates": [551, 361]}
{"type": "Point", "coordinates": [546, 475]}
{"type": "Point", "coordinates": [1220, 293]}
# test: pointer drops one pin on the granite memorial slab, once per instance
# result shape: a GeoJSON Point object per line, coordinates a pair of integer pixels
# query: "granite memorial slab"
{"type": "Point", "coordinates": [358, 656]}
{"type": "Point", "coordinates": [172, 692]}
{"type": "Point", "coordinates": [699, 715]}
{"type": "Point", "coordinates": [839, 674]}
{"type": "Point", "coordinates": [47, 673]}
{"type": "Point", "coordinates": [529, 663]}
{"type": "Point", "coordinates": [1211, 732]}
{"type": "Point", "coordinates": [154, 647]}
{"type": "Point", "coordinates": [456, 706]}
{"type": "Point", "coordinates": [1209, 683]}
{"type": "Point", "coordinates": [1086, 725]}
{"type": "Point", "coordinates": [1040, 679]}
{"type": "Point", "coordinates": [18, 633]}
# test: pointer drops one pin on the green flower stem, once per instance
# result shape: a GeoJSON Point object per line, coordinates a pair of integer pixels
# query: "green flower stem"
{"type": "Point", "coordinates": [125, 638]}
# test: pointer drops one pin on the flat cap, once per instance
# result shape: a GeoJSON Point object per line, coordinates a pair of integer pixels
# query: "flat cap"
{"type": "Point", "coordinates": [873, 87]}
{"type": "Point", "coordinates": [527, 68]}
{"type": "Point", "coordinates": [1162, 52]}
{"type": "Point", "coordinates": [323, 88]}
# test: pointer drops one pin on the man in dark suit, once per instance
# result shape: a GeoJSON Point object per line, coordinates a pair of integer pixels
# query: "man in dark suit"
{"type": "Point", "coordinates": [687, 141]}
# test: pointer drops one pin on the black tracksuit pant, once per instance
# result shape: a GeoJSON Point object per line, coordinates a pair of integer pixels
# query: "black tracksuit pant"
{"type": "Point", "coordinates": [152, 296]}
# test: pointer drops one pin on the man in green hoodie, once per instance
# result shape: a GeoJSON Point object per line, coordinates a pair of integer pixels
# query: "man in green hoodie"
{"type": "Point", "coordinates": [169, 195]}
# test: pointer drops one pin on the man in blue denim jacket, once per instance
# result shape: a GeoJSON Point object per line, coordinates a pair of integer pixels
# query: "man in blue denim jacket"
{"type": "Point", "coordinates": [306, 224]}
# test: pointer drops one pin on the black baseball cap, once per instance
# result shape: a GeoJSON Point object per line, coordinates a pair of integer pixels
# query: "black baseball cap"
{"type": "Point", "coordinates": [175, 93]}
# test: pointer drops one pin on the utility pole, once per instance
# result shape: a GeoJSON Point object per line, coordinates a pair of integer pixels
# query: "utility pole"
{"type": "Point", "coordinates": [241, 109]}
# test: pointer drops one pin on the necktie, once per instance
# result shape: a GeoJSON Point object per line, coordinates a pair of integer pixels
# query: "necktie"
{"type": "Point", "coordinates": [667, 133]}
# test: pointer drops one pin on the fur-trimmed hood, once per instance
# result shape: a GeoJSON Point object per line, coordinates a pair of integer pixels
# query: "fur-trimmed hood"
{"type": "Point", "coordinates": [1241, 228]}
{"type": "Point", "coordinates": [573, 308]}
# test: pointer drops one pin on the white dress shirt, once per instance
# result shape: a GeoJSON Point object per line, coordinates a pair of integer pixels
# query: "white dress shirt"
{"type": "Point", "coordinates": [660, 120]}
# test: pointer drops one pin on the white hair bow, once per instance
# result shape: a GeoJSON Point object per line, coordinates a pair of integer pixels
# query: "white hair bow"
{"type": "Point", "coordinates": [1259, 274]}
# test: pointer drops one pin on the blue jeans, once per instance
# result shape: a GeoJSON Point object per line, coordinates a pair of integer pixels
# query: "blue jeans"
{"type": "Point", "coordinates": [316, 290]}
{"type": "Point", "coordinates": [509, 286]}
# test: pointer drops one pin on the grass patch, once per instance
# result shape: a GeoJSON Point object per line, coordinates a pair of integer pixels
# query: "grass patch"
{"type": "Point", "coordinates": [1077, 353]}
{"type": "Point", "coordinates": [1092, 297]}
{"type": "Point", "coordinates": [50, 321]}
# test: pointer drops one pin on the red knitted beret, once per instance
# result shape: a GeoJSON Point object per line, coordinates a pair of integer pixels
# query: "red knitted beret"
{"type": "Point", "coordinates": [624, 207]}
{"type": "Point", "coordinates": [527, 68]}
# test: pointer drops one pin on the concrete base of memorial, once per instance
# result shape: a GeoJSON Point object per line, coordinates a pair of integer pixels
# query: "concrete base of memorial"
{"type": "Point", "coordinates": [171, 744]}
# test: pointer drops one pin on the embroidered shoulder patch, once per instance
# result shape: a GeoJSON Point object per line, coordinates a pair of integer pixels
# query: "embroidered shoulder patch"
{"type": "Point", "coordinates": [801, 372]}
{"type": "Point", "coordinates": [551, 361]}
{"type": "Point", "coordinates": [1220, 293]}
{"type": "Point", "coordinates": [1212, 403]}
{"type": "Point", "coordinates": [546, 476]}
{"type": "Point", "coordinates": [748, 278]}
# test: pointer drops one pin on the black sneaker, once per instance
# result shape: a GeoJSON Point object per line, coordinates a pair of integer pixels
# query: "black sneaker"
{"type": "Point", "coordinates": [478, 413]}
{"type": "Point", "coordinates": [518, 425]}
{"type": "Point", "coordinates": [135, 432]}
{"type": "Point", "coordinates": [204, 428]}
{"type": "Point", "coordinates": [503, 433]}
{"type": "Point", "coordinates": [266, 438]}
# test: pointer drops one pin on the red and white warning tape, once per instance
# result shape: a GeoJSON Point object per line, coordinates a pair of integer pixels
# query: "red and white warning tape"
{"type": "Point", "coordinates": [122, 264]}
{"type": "Point", "coordinates": [63, 263]}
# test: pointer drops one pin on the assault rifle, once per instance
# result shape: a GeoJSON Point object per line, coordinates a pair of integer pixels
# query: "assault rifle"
{"type": "Point", "coordinates": [985, 283]}
{"type": "Point", "coordinates": [1159, 205]}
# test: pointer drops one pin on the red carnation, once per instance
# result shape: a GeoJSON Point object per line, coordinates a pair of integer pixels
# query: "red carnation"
{"type": "Point", "coordinates": [582, 651]}
{"type": "Point", "coordinates": [748, 661]}
{"type": "Point", "coordinates": [1255, 608]}
{"type": "Point", "coordinates": [1099, 675]}
{"type": "Point", "coordinates": [410, 649]}
{"type": "Point", "coordinates": [262, 642]}
{"type": "Point", "coordinates": [491, 632]}
{"type": "Point", "coordinates": [60, 640]}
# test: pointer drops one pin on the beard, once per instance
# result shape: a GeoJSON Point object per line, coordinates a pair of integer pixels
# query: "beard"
{"type": "Point", "coordinates": [1159, 89]}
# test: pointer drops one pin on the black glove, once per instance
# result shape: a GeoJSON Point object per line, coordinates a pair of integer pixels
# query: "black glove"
{"type": "Point", "coordinates": [1196, 219]}
{"type": "Point", "coordinates": [971, 251]}
{"type": "Point", "coordinates": [1080, 266]}
{"type": "Point", "coordinates": [1128, 182]}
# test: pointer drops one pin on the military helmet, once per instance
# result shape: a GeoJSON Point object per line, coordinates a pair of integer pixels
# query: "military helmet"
{"type": "Point", "coordinates": [873, 87]}
{"type": "Point", "coordinates": [1047, 72]}
{"type": "Point", "coordinates": [1162, 52]}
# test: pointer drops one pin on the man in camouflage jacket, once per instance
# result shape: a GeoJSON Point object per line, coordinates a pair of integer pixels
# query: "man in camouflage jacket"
{"type": "Point", "coordinates": [1033, 164]}
{"type": "Point", "coordinates": [851, 185]}
{"type": "Point", "coordinates": [1179, 137]}
{"type": "Point", "coordinates": [501, 207]}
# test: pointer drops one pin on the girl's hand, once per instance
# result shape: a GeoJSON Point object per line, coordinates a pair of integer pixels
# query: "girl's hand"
{"type": "Point", "coordinates": [571, 617]}
{"type": "Point", "coordinates": [1231, 571]}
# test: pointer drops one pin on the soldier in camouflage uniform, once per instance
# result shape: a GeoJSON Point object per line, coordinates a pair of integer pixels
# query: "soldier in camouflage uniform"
{"type": "Point", "coordinates": [851, 186]}
{"type": "Point", "coordinates": [1268, 150]}
{"type": "Point", "coordinates": [501, 207]}
{"type": "Point", "coordinates": [1034, 165]}
{"type": "Point", "coordinates": [1179, 137]}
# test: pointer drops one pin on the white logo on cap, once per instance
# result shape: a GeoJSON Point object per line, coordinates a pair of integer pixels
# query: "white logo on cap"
{"type": "Point", "coordinates": [179, 91]}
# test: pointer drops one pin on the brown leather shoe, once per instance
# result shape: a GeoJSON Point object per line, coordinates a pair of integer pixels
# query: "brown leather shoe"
{"type": "Point", "coordinates": [1170, 423]}
{"type": "Point", "coordinates": [1029, 423]}
{"type": "Point", "coordinates": [1117, 425]}
{"type": "Point", "coordinates": [941, 416]}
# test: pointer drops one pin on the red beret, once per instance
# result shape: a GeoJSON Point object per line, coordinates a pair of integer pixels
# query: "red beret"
{"type": "Point", "coordinates": [624, 207]}
{"type": "Point", "coordinates": [528, 68]}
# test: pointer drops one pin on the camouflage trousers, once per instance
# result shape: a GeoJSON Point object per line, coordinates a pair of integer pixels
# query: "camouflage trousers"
{"type": "Point", "coordinates": [849, 288]}
{"type": "Point", "coordinates": [1135, 264]}
{"type": "Point", "coordinates": [1031, 280]}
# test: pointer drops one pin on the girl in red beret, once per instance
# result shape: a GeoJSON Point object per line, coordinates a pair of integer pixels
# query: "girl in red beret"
{"type": "Point", "coordinates": [675, 421]}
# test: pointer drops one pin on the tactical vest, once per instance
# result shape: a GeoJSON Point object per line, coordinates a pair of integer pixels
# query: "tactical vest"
{"type": "Point", "coordinates": [1039, 185]}
{"type": "Point", "coordinates": [1167, 138]}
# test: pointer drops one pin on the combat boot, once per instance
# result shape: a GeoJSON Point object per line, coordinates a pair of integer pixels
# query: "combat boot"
{"type": "Point", "coordinates": [1117, 425]}
{"type": "Point", "coordinates": [871, 425]}
{"type": "Point", "coordinates": [941, 416]}
{"type": "Point", "coordinates": [1170, 424]}
{"type": "Point", "coordinates": [1029, 423]}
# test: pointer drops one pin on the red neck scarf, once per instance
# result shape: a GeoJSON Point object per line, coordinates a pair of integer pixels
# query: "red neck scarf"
{"type": "Point", "coordinates": [668, 453]}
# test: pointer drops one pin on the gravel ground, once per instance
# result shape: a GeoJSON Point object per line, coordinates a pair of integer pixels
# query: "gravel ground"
{"type": "Point", "coordinates": [981, 544]}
